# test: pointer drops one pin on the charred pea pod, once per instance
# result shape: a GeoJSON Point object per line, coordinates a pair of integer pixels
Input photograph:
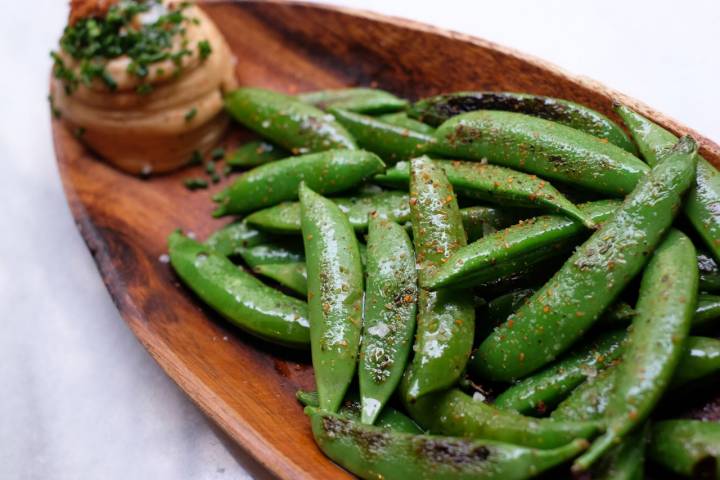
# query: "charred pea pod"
{"type": "Point", "coordinates": [360, 100]}
{"type": "Point", "coordinates": [401, 119]}
{"type": "Point", "coordinates": [389, 320]}
{"type": "Point", "coordinates": [625, 461]}
{"type": "Point", "coordinates": [256, 153]}
{"type": "Point", "coordinates": [238, 296]}
{"type": "Point", "coordinates": [687, 447]}
{"type": "Point", "coordinates": [335, 295]}
{"type": "Point", "coordinates": [286, 121]}
{"type": "Point", "coordinates": [273, 253]}
{"type": "Point", "coordinates": [267, 185]}
{"type": "Point", "coordinates": [540, 147]}
{"type": "Point", "coordinates": [700, 359]}
{"type": "Point", "coordinates": [455, 413]}
{"type": "Point", "coordinates": [285, 217]}
{"type": "Point", "coordinates": [497, 185]}
{"type": "Point", "coordinates": [390, 142]}
{"type": "Point", "coordinates": [435, 110]}
{"type": "Point", "coordinates": [445, 318]}
{"type": "Point", "coordinates": [543, 391]}
{"type": "Point", "coordinates": [568, 305]}
{"type": "Point", "coordinates": [701, 204]}
{"type": "Point", "coordinates": [289, 275]}
{"type": "Point", "coordinates": [388, 419]}
{"type": "Point", "coordinates": [234, 237]}
{"type": "Point", "coordinates": [526, 243]}
{"type": "Point", "coordinates": [372, 453]}
{"type": "Point", "coordinates": [668, 295]}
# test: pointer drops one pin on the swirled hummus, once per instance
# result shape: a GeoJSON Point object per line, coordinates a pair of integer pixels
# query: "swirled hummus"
{"type": "Point", "coordinates": [142, 82]}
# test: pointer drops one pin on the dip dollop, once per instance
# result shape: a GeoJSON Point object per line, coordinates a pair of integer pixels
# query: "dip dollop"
{"type": "Point", "coordinates": [142, 82]}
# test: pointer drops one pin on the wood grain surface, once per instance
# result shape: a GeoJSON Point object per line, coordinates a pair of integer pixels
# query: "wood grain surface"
{"type": "Point", "coordinates": [248, 387]}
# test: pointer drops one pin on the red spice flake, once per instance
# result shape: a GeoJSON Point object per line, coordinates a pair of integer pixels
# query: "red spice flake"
{"type": "Point", "coordinates": [546, 309]}
{"type": "Point", "coordinates": [510, 323]}
{"type": "Point", "coordinates": [459, 322]}
{"type": "Point", "coordinates": [413, 201]}
{"type": "Point", "coordinates": [80, 9]}
{"type": "Point", "coordinates": [408, 299]}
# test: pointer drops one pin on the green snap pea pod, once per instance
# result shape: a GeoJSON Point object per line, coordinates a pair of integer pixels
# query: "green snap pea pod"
{"type": "Point", "coordinates": [435, 110]}
{"type": "Point", "coordinates": [701, 204]}
{"type": "Point", "coordinates": [707, 312]}
{"type": "Point", "coordinates": [286, 121]}
{"type": "Point", "coordinates": [273, 252]}
{"type": "Point", "coordinates": [543, 391]}
{"type": "Point", "coordinates": [701, 358]}
{"type": "Point", "coordinates": [541, 147]}
{"type": "Point", "coordinates": [445, 318]}
{"type": "Point", "coordinates": [480, 221]}
{"type": "Point", "coordinates": [625, 461]}
{"type": "Point", "coordinates": [238, 296]}
{"type": "Point", "coordinates": [497, 185]}
{"type": "Point", "coordinates": [390, 142]}
{"type": "Point", "coordinates": [375, 453]}
{"type": "Point", "coordinates": [358, 99]}
{"type": "Point", "coordinates": [335, 295]}
{"type": "Point", "coordinates": [285, 217]}
{"type": "Point", "coordinates": [617, 314]}
{"type": "Point", "coordinates": [500, 308]}
{"type": "Point", "coordinates": [668, 295]}
{"type": "Point", "coordinates": [687, 447]}
{"type": "Point", "coordinates": [566, 306]}
{"type": "Point", "coordinates": [289, 275]}
{"type": "Point", "coordinates": [256, 153]}
{"type": "Point", "coordinates": [389, 418]}
{"type": "Point", "coordinates": [709, 273]}
{"type": "Point", "coordinates": [455, 413]}
{"type": "Point", "coordinates": [528, 242]}
{"type": "Point", "coordinates": [267, 185]}
{"type": "Point", "coordinates": [401, 119]}
{"type": "Point", "coordinates": [389, 320]}
{"type": "Point", "coordinates": [232, 238]}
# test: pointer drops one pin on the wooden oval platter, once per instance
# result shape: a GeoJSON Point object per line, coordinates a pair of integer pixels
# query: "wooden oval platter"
{"type": "Point", "coordinates": [247, 387]}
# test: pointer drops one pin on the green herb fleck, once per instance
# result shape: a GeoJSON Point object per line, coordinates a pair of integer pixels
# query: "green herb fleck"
{"type": "Point", "coordinates": [210, 167]}
{"type": "Point", "coordinates": [53, 108]}
{"type": "Point", "coordinates": [204, 49]}
{"type": "Point", "coordinates": [218, 153]}
{"type": "Point", "coordinates": [144, 89]}
{"type": "Point", "coordinates": [196, 158]}
{"type": "Point", "coordinates": [79, 132]}
{"type": "Point", "coordinates": [195, 183]}
{"type": "Point", "coordinates": [190, 114]}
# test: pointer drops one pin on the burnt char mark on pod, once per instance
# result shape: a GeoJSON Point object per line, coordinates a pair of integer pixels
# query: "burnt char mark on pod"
{"type": "Point", "coordinates": [452, 452]}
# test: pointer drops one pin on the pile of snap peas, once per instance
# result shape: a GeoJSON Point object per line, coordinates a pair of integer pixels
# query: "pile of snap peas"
{"type": "Point", "coordinates": [491, 285]}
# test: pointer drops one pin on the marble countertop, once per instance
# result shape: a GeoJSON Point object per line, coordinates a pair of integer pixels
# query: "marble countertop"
{"type": "Point", "coordinates": [81, 398]}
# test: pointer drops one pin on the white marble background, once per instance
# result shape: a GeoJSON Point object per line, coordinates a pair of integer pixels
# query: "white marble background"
{"type": "Point", "coordinates": [79, 397]}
